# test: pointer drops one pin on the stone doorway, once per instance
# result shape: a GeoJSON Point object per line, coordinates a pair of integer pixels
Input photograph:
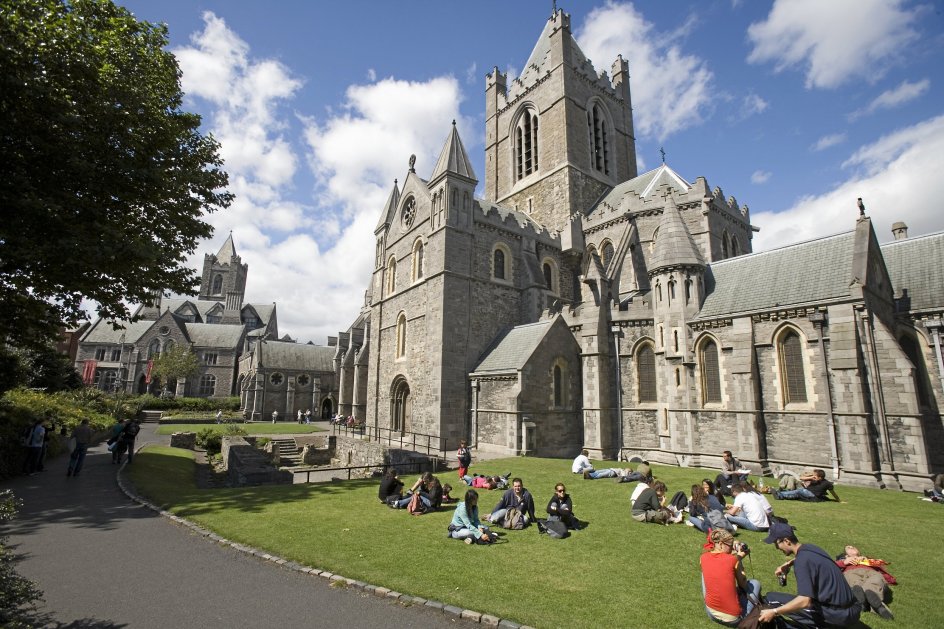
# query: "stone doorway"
{"type": "Point", "coordinates": [327, 409]}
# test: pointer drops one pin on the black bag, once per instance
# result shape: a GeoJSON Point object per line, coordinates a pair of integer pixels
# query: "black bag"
{"type": "Point", "coordinates": [679, 500]}
{"type": "Point", "coordinates": [393, 499]}
{"type": "Point", "coordinates": [556, 529]}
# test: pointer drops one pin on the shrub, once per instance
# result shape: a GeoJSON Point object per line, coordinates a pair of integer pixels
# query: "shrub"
{"type": "Point", "coordinates": [202, 404]}
{"type": "Point", "coordinates": [18, 594]}
{"type": "Point", "coordinates": [211, 439]}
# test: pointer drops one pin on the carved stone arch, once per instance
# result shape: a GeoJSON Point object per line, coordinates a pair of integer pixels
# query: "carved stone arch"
{"type": "Point", "coordinates": [793, 374]}
{"type": "Point", "coordinates": [418, 260]}
{"type": "Point", "coordinates": [401, 405]}
{"type": "Point", "coordinates": [709, 365]}
{"type": "Point", "coordinates": [551, 275]}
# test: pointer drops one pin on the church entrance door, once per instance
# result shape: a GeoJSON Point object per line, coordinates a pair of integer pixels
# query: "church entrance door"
{"type": "Point", "coordinates": [326, 407]}
{"type": "Point", "coordinates": [402, 406]}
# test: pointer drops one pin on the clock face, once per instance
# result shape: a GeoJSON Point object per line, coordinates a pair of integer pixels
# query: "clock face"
{"type": "Point", "coordinates": [408, 214]}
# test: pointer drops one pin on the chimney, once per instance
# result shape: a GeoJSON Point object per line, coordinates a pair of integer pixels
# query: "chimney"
{"type": "Point", "coordinates": [900, 230]}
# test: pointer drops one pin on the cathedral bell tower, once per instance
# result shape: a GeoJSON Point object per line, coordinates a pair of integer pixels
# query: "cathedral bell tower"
{"type": "Point", "coordinates": [224, 274]}
{"type": "Point", "coordinates": [561, 134]}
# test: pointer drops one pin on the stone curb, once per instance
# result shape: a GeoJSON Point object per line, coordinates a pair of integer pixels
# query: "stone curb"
{"type": "Point", "coordinates": [381, 592]}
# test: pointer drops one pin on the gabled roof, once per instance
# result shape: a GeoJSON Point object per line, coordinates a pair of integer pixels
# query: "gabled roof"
{"type": "Point", "coordinates": [215, 335]}
{"type": "Point", "coordinates": [801, 274]}
{"type": "Point", "coordinates": [675, 245]}
{"type": "Point", "coordinates": [228, 250]}
{"type": "Point", "coordinates": [514, 349]}
{"type": "Point", "coordinates": [917, 265]}
{"type": "Point", "coordinates": [453, 158]}
{"type": "Point", "coordinates": [102, 332]}
{"type": "Point", "coordinates": [263, 310]}
{"type": "Point", "coordinates": [279, 355]}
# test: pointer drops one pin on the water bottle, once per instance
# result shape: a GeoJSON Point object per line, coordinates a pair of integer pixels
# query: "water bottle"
{"type": "Point", "coordinates": [761, 485]}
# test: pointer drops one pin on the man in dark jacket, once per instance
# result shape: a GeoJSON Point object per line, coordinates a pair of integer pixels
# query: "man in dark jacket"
{"type": "Point", "coordinates": [515, 498]}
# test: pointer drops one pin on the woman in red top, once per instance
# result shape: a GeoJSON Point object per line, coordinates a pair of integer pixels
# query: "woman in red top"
{"type": "Point", "coordinates": [729, 596]}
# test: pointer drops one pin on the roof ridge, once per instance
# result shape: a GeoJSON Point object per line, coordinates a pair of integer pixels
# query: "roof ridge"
{"type": "Point", "coordinates": [892, 243]}
{"type": "Point", "coordinates": [754, 254]}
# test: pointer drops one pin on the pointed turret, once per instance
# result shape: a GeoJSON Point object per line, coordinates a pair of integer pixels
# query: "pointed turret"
{"type": "Point", "coordinates": [453, 159]}
{"type": "Point", "coordinates": [389, 208]}
{"type": "Point", "coordinates": [675, 246]}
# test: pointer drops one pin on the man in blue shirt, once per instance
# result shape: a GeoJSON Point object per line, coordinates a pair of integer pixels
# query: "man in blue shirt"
{"type": "Point", "coordinates": [823, 597]}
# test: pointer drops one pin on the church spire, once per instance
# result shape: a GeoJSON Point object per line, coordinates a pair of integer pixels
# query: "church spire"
{"type": "Point", "coordinates": [453, 159]}
{"type": "Point", "coordinates": [389, 208]}
{"type": "Point", "coordinates": [228, 250]}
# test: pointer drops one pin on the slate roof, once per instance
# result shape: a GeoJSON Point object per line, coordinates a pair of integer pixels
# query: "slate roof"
{"type": "Point", "coordinates": [917, 264]}
{"type": "Point", "coordinates": [808, 272]}
{"type": "Point", "coordinates": [102, 332]}
{"type": "Point", "coordinates": [453, 158]}
{"type": "Point", "coordinates": [515, 348]}
{"type": "Point", "coordinates": [647, 184]}
{"type": "Point", "coordinates": [214, 335]}
{"type": "Point", "coordinates": [279, 355]}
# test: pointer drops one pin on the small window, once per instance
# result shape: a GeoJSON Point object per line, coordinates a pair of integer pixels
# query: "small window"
{"type": "Point", "coordinates": [154, 349]}
{"type": "Point", "coordinates": [100, 353]}
{"type": "Point", "coordinates": [607, 254]}
{"type": "Point", "coordinates": [251, 321]}
{"type": "Point", "coordinates": [646, 373]}
{"type": "Point", "coordinates": [164, 330]}
{"type": "Point", "coordinates": [110, 380]}
{"type": "Point", "coordinates": [710, 373]}
{"type": "Point", "coordinates": [210, 358]}
{"type": "Point", "coordinates": [207, 384]}
{"type": "Point", "coordinates": [675, 341]}
{"type": "Point", "coordinates": [214, 319]}
{"type": "Point", "coordinates": [391, 275]}
{"type": "Point", "coordinates": [418, 260]}
{"type": "Point", "coordinates": [500, 264]}
{"type": "Point", "coordinates": [303, 380]}
{"type": "Point", "coordinates": [599, 140]}
{"type": "Point", "coordinates": [276, 378]}
{"type": "Point", "coordinates": [671, 286]}
{"type": "Point", "coordinates": [548, 277]}
{"type": "Point", "coordinates": [688, 291]}
{"type": "Point", "coordinates": [115, 355]}
{"type": "Point", "coordinates": [791, 369]}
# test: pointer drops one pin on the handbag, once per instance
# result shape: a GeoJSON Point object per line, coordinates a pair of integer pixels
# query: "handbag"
{"type": "Point", "coordinates": [752, 620]}
{"type": "Point", "coordinates": [70, 444]}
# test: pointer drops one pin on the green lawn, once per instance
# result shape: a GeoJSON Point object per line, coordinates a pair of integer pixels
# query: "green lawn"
{"type": "Point", "coordinates": [616, 572]}
{"type": "Point", "coordinates": [252, 429]}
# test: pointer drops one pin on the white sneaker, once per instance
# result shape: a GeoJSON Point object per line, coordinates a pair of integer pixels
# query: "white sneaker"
{"type": "Point", "coordinates": [689, 523]}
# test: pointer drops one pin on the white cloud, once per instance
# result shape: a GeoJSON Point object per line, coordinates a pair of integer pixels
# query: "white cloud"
{"type": "Point", "coordinates": [827, 141]}
{"type": "Point", "coordinates": [760, 176]}
{"type": "Point", "coordinates": [753, 104]}
{"type": "Point", "coordinates": [889, 99]}
{"type": "Point", "coordinates": [471, 74]}
{"type": "Point", "coordinates": [671, 90]}
{"type": "Point", "coordinates": [371, 75]}
{"type": "Point", "coordinates": [833, 41]}
{"type": "Point", "coordinates": [897, 178]}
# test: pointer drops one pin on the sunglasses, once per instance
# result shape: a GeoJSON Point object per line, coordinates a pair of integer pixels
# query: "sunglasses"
{"type": "Point", "coordinates": [561, 490]}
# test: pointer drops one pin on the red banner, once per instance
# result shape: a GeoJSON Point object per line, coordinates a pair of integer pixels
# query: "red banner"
{"type": "Point", "coordinates": [147, 374]}
{"type": "Point", "coordinates": [88, 372]}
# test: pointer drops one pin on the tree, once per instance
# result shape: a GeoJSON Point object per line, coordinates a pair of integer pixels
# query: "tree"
{"type": "Point", "coordinates": [176, 362]}
{"type": "Point", "coordinates": [104, 179]}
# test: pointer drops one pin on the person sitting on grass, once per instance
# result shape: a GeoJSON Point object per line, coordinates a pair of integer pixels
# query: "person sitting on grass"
{"type": "Point", "coordinates": [648, 506]}
{"type": "Point", "coordinates": [814, 489]}
{"type": "Point", "coordinates": [868, 579]}
{"type": "Point", "coordinates": [712, 490]}
{"type": "Point", "coordinates": [391, 487]}
{"type": "Point", "coordinates": [749, 488]}
{"type": "Point", "coordinates": [515, 498]}
{"type": "Point", "coordinates": [465, 523]}
{"type": "Point", "coordinates": [582, 463]}
{"type": "Point", "coordinates": [748, 510]}
{"type": "Point", "coordinates": [729, 596]}
{"type": "Point", "coordinates": [422, 485]}
{"type": "Point", "coordinates": [561, 507]}
{"type": "Point", "coordinates": [699, 507]}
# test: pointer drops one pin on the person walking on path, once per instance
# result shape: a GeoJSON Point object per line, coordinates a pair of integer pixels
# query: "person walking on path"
{"type": "Point", "coordinates": [113, 440]}
{"type": "Point", "coordinates": [34, 447]}
{"type": "Point", "coordinates": [126, 440]}
{"type": "Point", "coordinates": [83, 437]}
{"type": "Point", "coordinates": [275, 416]}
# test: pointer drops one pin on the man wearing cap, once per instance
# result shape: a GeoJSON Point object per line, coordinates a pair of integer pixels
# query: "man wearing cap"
{"type": "Point", "coordinates": [823, 597]}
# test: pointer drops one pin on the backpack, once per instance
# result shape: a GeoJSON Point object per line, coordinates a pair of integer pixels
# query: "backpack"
{"type": "Point", "coordinates": [132, 430]}
{"type": "Point", "coordinates": [393, 499]}
{"type": "Point", "coordinates": [556, 529]}
{"type": "Point", "coordinates": [514, 519]}
{"type": "Point", "coordinates": [416, 506]}
{"type": "Point", "coordinates": [716, 520]}
{"type": "Point", "coordinates": [679, 500]}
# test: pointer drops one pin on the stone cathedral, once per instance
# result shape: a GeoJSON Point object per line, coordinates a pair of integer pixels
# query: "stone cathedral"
{"type": "Point", "coordinates": [582, 304]}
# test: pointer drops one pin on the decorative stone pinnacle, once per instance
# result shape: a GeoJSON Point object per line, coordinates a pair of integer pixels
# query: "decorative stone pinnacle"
{"type": "Point", "coordinates": [861, 207]}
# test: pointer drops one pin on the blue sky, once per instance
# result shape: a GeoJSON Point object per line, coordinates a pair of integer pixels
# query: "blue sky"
{"type": "Point", "coordinates": [795, 108]}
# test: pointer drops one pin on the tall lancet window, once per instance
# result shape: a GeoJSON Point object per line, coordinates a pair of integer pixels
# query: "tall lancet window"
{"type": "Point", "coordinates": [599, 139]}
{"type": "Point", "coordinates": [526, 144]}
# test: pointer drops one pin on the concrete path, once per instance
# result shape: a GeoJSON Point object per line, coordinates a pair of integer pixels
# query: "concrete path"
{"type": "Point", "coordinates": [105, 561]}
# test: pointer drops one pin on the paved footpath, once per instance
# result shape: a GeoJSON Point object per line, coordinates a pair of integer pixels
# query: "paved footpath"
{"type": "Point", "coordinates": [104, 561]}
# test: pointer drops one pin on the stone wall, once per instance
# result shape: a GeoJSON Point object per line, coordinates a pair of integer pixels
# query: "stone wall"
{"type": "Point", "coordinates": [247, 465]}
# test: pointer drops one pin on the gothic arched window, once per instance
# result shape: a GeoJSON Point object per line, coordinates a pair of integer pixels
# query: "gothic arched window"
{"type": "Point", "coordinates": [401, 335]}
{"type": "Point", "coordinates": [526, 144]}
{"type": "Point", "coordinates": [558, 384]}
{"type": "Point", "coordinates": [646, 373]}
{"type": "Point", "coordinates": [418, 260]}
{"type": "Point", "coordinates": [710, 373]}
{"type": "Point", "coordinates": [793, 380]}
{"type": "Point", "coordinates": [599, 139]}
{"type": "Point", "coordinates": [725, 246]}
{"type": "Point", "coordinates": [548, 284]}
{"type": "Point", "coordinates": [501, 263]}
{"type": "Point", "coordinates": [606, 255]}
{"type": "Point", "coordinates": [217, 285]}
{"type": "Point", "coordinates": [391, 275]}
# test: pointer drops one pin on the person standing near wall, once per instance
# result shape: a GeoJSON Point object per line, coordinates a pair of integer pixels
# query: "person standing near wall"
{"type": "Point", "coordinates": [83, 437]}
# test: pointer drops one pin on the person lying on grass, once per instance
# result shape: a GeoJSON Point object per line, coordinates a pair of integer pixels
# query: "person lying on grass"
{"type": "Point", "coordinates": [814, 489]}
{"type": "Point", "coordinates": [465, 523]}
{"type": "Point", "coordinates": [868, 579]}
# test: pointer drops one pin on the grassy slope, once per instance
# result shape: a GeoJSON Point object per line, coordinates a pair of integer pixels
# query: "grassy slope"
{"type": "Point", "coordinates": [252, 429]}
{"type": "Point", "coordinates": [617, 572]}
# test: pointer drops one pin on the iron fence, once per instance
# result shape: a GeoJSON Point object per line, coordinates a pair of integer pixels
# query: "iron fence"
{"type": "Point", "coordinates": [416, 441]}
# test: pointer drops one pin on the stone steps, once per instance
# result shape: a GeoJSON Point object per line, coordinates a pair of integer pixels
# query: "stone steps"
{"type": "Point", "coordinates": [150, 417]}
{"type": "Point", "coordinates": [287, 449]}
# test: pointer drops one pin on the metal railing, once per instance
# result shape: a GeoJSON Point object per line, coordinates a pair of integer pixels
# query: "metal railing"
{"type": "Point", "coordinates": [416, 441]}
{"type": "Point", "coordinates": [413, 467]}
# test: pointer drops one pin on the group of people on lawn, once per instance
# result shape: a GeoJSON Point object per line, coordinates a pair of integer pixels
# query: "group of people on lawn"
{"type": "Point", "coordinates": [830, 592]}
